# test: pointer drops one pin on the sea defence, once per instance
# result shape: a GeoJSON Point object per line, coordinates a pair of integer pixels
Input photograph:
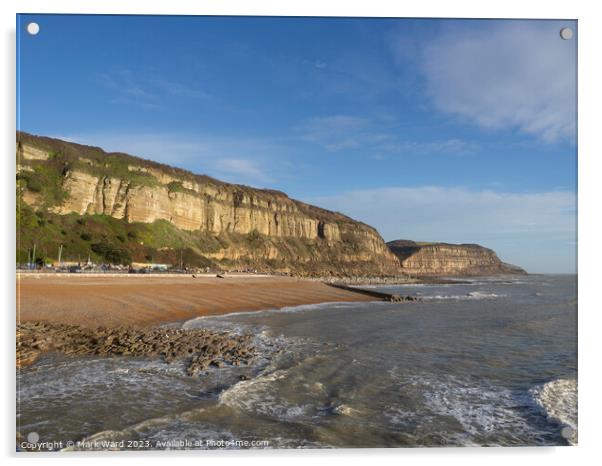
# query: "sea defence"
{"type": "Point", "coordinates": [380, 295]}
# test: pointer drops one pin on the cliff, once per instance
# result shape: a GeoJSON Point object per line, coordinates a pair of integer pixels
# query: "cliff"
{"type": "Point", "coordinates": [442, 259]}
{"type": "Point", "coordinates": [117, 207]}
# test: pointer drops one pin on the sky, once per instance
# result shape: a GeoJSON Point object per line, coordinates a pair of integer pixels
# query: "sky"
{"type": "Point", "coordinates": [460, 131]}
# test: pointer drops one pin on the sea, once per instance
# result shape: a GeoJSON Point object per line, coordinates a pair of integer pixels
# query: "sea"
{"type": "Point", "coordinates": [487, 362]}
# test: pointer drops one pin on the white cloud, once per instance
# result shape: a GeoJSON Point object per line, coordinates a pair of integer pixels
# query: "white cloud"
{"type": "Point", "coordinates": [424, 212]}
{"type": "Point", "coordinates": [245, 168]}
{"type": "Point", "coordinates": [377, 136]}
{"type": "Point", "coordinates": [319, 64]}
{"type": "Point", "coordinates": [145, 91]}
{"type": "Point", "coordinates": [514, 224]}
{"type": "Point", "coordinates": [243, 161]}
{"type": "Point", "coordinates": [335, 132]}
{"type": "Point", "coordinates": [503, 74]}
{"type": "Point", "coordinates": [445, 146]}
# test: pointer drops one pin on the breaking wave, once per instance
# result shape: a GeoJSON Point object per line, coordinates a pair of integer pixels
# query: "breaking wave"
{"type": "Point", "coordinates": [258, 396]}
{"type": "Point", "coordinates": [558, 401]}
{"type": "Point", "coordinates": [476, 295]}
{"type": "Point", "coordinates": [483, 414]}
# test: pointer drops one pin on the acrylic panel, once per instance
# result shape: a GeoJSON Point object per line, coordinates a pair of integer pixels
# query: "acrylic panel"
{"type": "Point", "coordinates": [295, 232]}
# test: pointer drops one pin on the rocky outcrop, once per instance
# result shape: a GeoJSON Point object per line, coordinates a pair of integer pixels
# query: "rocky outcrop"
{"type": "Point", "coordinates": [443, 259]}
{"type": "Point", "coordinates": [29, 152]}
{"type": "Point", "coordinates": [65, 178]}
{"type": "Point", "coordinates": [200, 348]}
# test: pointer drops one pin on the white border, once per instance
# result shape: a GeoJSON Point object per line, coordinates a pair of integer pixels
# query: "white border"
{"type": "Point", "coordinates": [590, 152]}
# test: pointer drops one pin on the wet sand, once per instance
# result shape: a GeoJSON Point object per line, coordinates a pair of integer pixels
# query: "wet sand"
{"type": "Point", "coordinates": [133, 300]}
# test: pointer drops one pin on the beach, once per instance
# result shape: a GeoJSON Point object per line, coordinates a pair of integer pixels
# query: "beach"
{"type": "Point", "coordinates": [139, 300]}
{"type": "Point", "coordinates": [488, 363]}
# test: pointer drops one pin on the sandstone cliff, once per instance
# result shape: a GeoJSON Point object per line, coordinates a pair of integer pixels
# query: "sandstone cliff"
{"type": "Point", "coordinates": [213, 221]}
{"type": "Point", "coordinates": [442, 259]}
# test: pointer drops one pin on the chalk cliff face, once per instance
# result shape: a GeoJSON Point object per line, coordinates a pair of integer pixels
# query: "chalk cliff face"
{"type": "Point", "coordinates": [444, 259]}
{"type": "Point", "coordinates": [63, 178]}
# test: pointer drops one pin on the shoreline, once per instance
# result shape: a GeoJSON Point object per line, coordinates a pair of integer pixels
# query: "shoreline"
{"type": "Point", "coordinates": [109, 301]}
{"type": "Point", "coordinates": [146, 300]}
{"type": "Point", "coordinates": [110, 315]}
{"type": "Point", "coordinates": [346, 280]}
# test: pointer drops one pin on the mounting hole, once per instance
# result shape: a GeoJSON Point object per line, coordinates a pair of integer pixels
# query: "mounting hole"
{"type": "Point", "coordinates": [33, 29]}
{"type": "Point", "coordinates": [566, 33]}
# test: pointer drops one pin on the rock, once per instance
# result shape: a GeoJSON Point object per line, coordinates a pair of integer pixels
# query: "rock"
{"type": "Point", "coordinates": [443, 259]}
{"type": "Point", "coordinates": [202, 347]}
{"type": "Point", "coordinates": [197, 203]}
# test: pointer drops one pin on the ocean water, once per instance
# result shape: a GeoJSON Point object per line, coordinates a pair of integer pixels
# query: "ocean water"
{"type": "Point", "coordinates": [492, 362]}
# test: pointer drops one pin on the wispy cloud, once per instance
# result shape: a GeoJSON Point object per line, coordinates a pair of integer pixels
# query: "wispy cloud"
{"type": "Point", "coordinates": [494, 218]}
{"type": "Point", "coordinates": [246, 168]}
{"type": "Point", "coordinates": [376, 135]}
{"type": "Point", "coordinates": [316, 63]}
{"type": "Point", "coordinates": [459, 213]}
{"type": "Point", "coordinates": [453, 146]}
{"type": "Point", "coordinates": [335, 132]}
{"type": "Point", "coordinates": [504, 75]}
{"type": "Point", "coordinates": [145, 91]}
{"type": "Point", "coordinates": [242, 161]}
{"type": "Point", "coordinates": [177, 89]}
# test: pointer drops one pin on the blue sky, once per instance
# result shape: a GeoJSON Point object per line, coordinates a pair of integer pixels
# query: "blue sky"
{"type": "Point", "coordinates": [433, 130]}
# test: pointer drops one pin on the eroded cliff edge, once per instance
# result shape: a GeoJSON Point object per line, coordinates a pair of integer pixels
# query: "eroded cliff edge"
{"type": "Point", "coordinates": [117, 207]}
{"type": "Point", "coordinates": [443, 259]}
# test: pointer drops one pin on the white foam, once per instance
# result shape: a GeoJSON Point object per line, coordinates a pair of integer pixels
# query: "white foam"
{"type": "Point", "coordinates": [204, 321]}
{"type": "Point", "coordinates": [473, 295]}
{"type": "Point", "coordinates": [346, 410]}
{"type": "Point", "coordinates": [558, 400]}
{"type": "Point", "coordinates": [323, 306]}
{"type": "Point", "coordinates": [487, 414]}
{"type": "Point", "coordinates": [258, 396]}
{"type": "Point", "coordinates": [484, 295]}
{"type": "Point", "coordinates": [163, 433]}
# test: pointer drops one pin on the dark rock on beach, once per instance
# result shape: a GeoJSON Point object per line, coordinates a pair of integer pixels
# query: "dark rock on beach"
{"type": "Point", "coordinates": [200, 348]}
{"type": "Point", "coordinates": [395, 298]}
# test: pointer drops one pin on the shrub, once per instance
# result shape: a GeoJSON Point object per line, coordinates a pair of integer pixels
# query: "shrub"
{"type": "Point", "coordinates": [34, 185]}
{"type": "Point", "coordinates": [253, 235]}
{"type": "Point", "coordinates": [175, 186]}
{"type": "Point", "coordinates": [111, 254]}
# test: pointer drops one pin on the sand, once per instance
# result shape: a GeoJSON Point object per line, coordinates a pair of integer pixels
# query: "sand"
{"type": "Point", "coordinates": [133, 300]}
